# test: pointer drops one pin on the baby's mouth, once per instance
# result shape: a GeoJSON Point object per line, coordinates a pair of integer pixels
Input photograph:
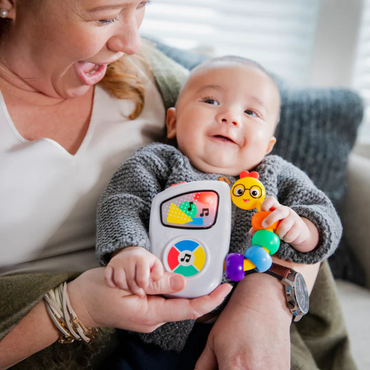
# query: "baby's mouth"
{"type": "Point", "coordinates": [224, 139]}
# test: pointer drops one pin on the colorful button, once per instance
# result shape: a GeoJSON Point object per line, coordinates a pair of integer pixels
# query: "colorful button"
{"type": "Point", "coordinates": [186, 257]}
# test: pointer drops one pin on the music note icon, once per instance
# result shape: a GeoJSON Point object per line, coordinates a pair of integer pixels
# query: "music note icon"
{"type": "Point", "coordinates": [186, 258]}
{"type": "Point", "coordinates": [190, 205]}
{"type": "Point", "coordinates": [205, 212]}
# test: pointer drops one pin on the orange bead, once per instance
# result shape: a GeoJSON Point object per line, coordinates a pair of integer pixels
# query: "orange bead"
{"type": "Point", "coordinates": [258, 218]}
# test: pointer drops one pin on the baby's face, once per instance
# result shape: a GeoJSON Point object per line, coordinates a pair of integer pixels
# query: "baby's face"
{"type": "Point", "coordinates": [225, 118]}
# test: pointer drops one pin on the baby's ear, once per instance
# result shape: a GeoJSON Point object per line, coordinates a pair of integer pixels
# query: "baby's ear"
{"type": "Point", "coordinates": [171, 123]}
{"type": "Point", "coordinates": [271, 145]}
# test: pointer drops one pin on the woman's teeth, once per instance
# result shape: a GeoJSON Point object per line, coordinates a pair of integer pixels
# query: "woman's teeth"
{"type": "Point", "coordinates": [93, 70]}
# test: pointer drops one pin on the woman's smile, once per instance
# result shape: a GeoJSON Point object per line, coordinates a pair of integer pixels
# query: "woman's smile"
{"type": "Point", "coordinates": [90, 73]}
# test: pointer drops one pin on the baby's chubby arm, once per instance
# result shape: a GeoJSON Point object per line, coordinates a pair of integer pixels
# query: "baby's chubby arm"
{"type": "Point", "coordinates": [132, 269]}
{"type": "Point", "coordinates": [298, 231]}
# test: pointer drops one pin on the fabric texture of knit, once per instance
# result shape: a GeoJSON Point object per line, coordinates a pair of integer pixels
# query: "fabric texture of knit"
{"type": "Point", "coordinates": [124, 210]}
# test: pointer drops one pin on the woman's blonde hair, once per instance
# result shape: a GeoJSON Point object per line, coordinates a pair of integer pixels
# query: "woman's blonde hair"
{"type": "Point", "coordinates": [123, 82]}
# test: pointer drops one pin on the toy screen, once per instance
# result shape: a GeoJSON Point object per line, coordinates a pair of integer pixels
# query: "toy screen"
{"type": "Point", "coordinates": [195, 210]}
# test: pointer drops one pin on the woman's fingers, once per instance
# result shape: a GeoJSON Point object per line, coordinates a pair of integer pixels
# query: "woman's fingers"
{"type": "Point", "coordinates": [178, 309]}
{"type": "Point", "coordinates": [207, 360]}
{"type": "Point", "coordinates": [96, 304]}
{"type": "Point", "coordinates": [169, 283]}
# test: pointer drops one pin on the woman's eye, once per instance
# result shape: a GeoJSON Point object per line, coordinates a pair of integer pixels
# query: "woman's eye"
{"type": "Point", "coordinates": [210, 101]}
{"type": "Point", "coordinates": [108, 21]}
{"type": "Point", "coordinates": [143, 4]}
{"type": "Point", "coordinates": [250, 113]}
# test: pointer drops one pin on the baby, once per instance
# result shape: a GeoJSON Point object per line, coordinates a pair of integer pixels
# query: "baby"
{"type": "Point", "coordinates": [224, 123]}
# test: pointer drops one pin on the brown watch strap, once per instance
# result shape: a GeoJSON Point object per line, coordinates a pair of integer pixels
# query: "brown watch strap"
{"type": "Point", "coordinates": [278, 271]}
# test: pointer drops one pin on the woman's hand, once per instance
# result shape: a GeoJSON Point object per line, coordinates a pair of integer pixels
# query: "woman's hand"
{"type": "Point", "coordinates": [253, 331]}
{"type": "Point", "coordinates": [98, 305]}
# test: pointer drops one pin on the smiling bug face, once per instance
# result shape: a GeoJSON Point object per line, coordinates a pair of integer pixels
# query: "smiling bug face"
{"type": "Point", "coordinates": [248, 192]}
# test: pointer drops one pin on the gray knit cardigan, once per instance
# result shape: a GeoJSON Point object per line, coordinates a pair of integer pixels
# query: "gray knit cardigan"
{"type": "Point", "coordinates": [124, 210]}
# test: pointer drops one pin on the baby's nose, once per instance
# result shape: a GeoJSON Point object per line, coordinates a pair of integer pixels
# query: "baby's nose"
{"type": "Point", "coordinates": [229, 117]}
{"type": "Point", "coordinates": [234, 122]}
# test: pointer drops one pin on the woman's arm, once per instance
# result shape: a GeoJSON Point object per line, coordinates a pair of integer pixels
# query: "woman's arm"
{"type": "Point", "coordinates": [253, 331]}
{"type": "Point", "coordinates": [35, 332]}
{"type": "Point", "coordinates": [98, 305]}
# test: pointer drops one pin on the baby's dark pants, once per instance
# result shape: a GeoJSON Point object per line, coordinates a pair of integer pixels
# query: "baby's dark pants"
{"type": "Point", "coordinates": [132, 354]}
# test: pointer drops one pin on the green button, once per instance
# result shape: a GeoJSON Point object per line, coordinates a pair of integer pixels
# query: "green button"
{"type": "Point", "coordinates": [186, 270]}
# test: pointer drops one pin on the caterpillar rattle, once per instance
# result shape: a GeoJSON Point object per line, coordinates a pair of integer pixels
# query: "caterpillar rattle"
{"type": "Point", "coordinates": [248, 193]}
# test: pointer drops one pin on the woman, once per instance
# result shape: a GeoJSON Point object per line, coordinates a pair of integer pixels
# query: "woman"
{"type": "Point", "coordinates": [62, 137]}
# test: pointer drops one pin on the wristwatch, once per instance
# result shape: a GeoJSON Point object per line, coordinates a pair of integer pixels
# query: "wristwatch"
{"type": "Point", "coordinates": [295, 289]}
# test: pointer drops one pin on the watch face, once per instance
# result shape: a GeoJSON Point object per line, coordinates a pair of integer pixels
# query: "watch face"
{"type": "Point", "coordinates": [301, 293]}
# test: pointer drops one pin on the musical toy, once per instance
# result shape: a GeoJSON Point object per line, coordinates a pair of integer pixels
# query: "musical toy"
{"type": "Point", "coordinates": [189, 230]}
{"type": "Point", "coordinates": [249, 193]}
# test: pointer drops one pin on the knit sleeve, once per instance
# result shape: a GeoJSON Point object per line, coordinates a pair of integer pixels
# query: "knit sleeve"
{"type": "Point", "coordinates": [298, 192]}
{"type": "Point", "coordinates": [124, 208]}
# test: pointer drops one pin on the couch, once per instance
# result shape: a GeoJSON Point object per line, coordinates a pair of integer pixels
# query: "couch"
{"type": "Point", "coordinates": [317, 132]}
{"type": "Point", "coordinates": [355, 215]}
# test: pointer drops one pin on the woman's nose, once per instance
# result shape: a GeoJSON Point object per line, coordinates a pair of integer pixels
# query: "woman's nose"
{"type": "Point", "coordinates": [127, 39]}
{"type": "Point", "coordinates": [229, 117]}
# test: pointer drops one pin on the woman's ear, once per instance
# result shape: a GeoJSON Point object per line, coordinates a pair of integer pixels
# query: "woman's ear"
{"type": "Point", "coordinates": [171, 123]}
{"type": "Point", "coordinates": [271, 145]}
{"type": "Point", "coordinates": [9, 6]}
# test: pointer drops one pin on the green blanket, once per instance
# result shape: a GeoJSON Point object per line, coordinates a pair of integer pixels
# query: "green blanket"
{"type": "Point", "coordinates": [319, 340]}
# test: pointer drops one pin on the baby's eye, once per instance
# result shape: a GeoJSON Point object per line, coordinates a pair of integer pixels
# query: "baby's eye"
{"type": "Point", "coordinates": [210, 101]}
{"type": "Point", "coordinates": [250, 113]}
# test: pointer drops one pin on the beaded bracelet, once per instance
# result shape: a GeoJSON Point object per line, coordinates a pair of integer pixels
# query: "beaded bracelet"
{"type": "Point", "coordinates": [64, 317]}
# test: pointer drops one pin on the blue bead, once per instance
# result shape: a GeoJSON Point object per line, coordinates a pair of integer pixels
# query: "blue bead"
{"type": "Point", "coordinates": [259, 257]}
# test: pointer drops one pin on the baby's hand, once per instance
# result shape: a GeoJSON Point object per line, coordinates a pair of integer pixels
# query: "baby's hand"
{"type": "Point", "coordinates": [292, 229]}
{"type": "Point", "coordinates": [132, 269]}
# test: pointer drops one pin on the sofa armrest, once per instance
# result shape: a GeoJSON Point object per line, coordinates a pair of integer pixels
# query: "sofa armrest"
{"type": "Point", "coordinates": [355, 212]}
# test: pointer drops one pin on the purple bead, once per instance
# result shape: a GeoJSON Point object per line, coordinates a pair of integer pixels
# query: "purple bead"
{"type": "Point", "coordinates": [235, 267]}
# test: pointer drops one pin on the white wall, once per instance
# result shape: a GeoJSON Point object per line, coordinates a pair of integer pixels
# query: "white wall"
{"type": "Point", "coordinates": [335, 43]}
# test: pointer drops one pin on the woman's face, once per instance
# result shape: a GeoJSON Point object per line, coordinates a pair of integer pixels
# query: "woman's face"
{"type": "Point", "coordinates": [65, 48]}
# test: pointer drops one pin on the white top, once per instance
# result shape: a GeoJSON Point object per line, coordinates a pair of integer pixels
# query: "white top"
{"type": "Point", "coordinates": [48, 197]}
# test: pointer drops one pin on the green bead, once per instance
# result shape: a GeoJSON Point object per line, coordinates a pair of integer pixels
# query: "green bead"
{"type": "Point", "coordinates": [266, 239]}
